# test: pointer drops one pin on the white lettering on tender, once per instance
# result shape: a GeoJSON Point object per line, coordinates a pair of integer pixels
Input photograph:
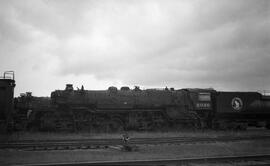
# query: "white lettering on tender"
{"type": "Point", "coordinates": [203, 105]}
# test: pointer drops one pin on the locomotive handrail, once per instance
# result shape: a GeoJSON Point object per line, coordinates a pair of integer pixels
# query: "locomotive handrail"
{"type": "Point", "coordinates": [8, 75]}
{"type": "Point", "coordinates": [264, 92]}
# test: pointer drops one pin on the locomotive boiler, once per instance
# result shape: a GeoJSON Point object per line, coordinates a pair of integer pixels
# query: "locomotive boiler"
{"type": "Point", "coordinates": [130, 109]}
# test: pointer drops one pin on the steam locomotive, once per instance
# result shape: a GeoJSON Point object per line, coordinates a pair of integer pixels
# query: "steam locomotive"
{"type": "Point", "coordinates": [136, 109]}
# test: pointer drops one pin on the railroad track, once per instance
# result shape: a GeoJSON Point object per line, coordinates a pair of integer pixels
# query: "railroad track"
{"type": "Point", "coordinates": [258, 160]}
{"type": "Point", "coordinates": [105, 143]}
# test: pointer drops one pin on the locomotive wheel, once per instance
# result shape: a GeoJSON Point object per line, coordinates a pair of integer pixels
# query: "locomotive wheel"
{"type": "Point", "coordinates": [115, 125]}
{"type": "Point", "coordinates": [243, 126]}
{"type": "Point", "coordinates": [47, 122]}
{"type": "Point", "coordinates": [223, 125]}
{"type": "Point", "coordinates": [157, 126]}
{"type": "Point", "coordinates": [83, 122]}
{"type": "Point", "coordinates": [216, 125]}
{"type": "Point", "coordinates": [83, 126]}
{"type": "Point", "coordinates": [107, 125]}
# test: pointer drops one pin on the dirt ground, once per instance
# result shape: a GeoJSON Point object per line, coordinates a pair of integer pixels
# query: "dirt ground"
{"type": "Point", "coordinates": [80, 135]}
{"type": "Point", "coordinates": [164, 151]}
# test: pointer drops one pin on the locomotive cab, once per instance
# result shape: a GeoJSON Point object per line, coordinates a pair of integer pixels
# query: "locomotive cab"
{"type": "Point", "coordinates": [201, 99]}
{"type": "Point", "coordinates": [202, 103]}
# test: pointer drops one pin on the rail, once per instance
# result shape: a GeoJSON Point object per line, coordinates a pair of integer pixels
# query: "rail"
{"type": "Point", "coordinates": [105, 143]}
{"type": "Point", "coordinates": [259, 159]}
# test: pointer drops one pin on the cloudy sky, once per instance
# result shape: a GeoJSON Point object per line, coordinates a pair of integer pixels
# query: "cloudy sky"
{"type": "Point", "coordinates": [152, 43]}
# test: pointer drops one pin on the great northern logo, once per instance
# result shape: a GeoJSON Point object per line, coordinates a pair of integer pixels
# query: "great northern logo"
{"type": "Point", "coordinates": [237, 104]}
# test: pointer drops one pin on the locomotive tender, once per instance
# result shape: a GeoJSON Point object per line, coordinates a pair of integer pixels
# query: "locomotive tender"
{"type": "Point", "coordinates": [135, 109]}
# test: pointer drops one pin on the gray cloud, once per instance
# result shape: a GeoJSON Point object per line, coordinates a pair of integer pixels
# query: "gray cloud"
{"type": "Point", "coordinates": [220, 44]}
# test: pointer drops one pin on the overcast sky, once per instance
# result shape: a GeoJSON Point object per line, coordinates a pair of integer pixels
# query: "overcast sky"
{"type": "Point", "coordinates": [176, 43]}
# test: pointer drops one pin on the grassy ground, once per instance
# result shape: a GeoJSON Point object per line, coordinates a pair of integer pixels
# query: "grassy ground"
{"type": "Point", "coordinates": [144, 152]}
{"type": "Point", "coordinates": [132, 134]}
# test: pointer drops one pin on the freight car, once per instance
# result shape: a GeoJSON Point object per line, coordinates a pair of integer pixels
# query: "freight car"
{"type": "Point", "coordinates": [150, 109]}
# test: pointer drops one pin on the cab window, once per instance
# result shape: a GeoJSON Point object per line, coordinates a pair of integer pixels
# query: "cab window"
{"type": "Point", "coordinates": [204, 97]}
